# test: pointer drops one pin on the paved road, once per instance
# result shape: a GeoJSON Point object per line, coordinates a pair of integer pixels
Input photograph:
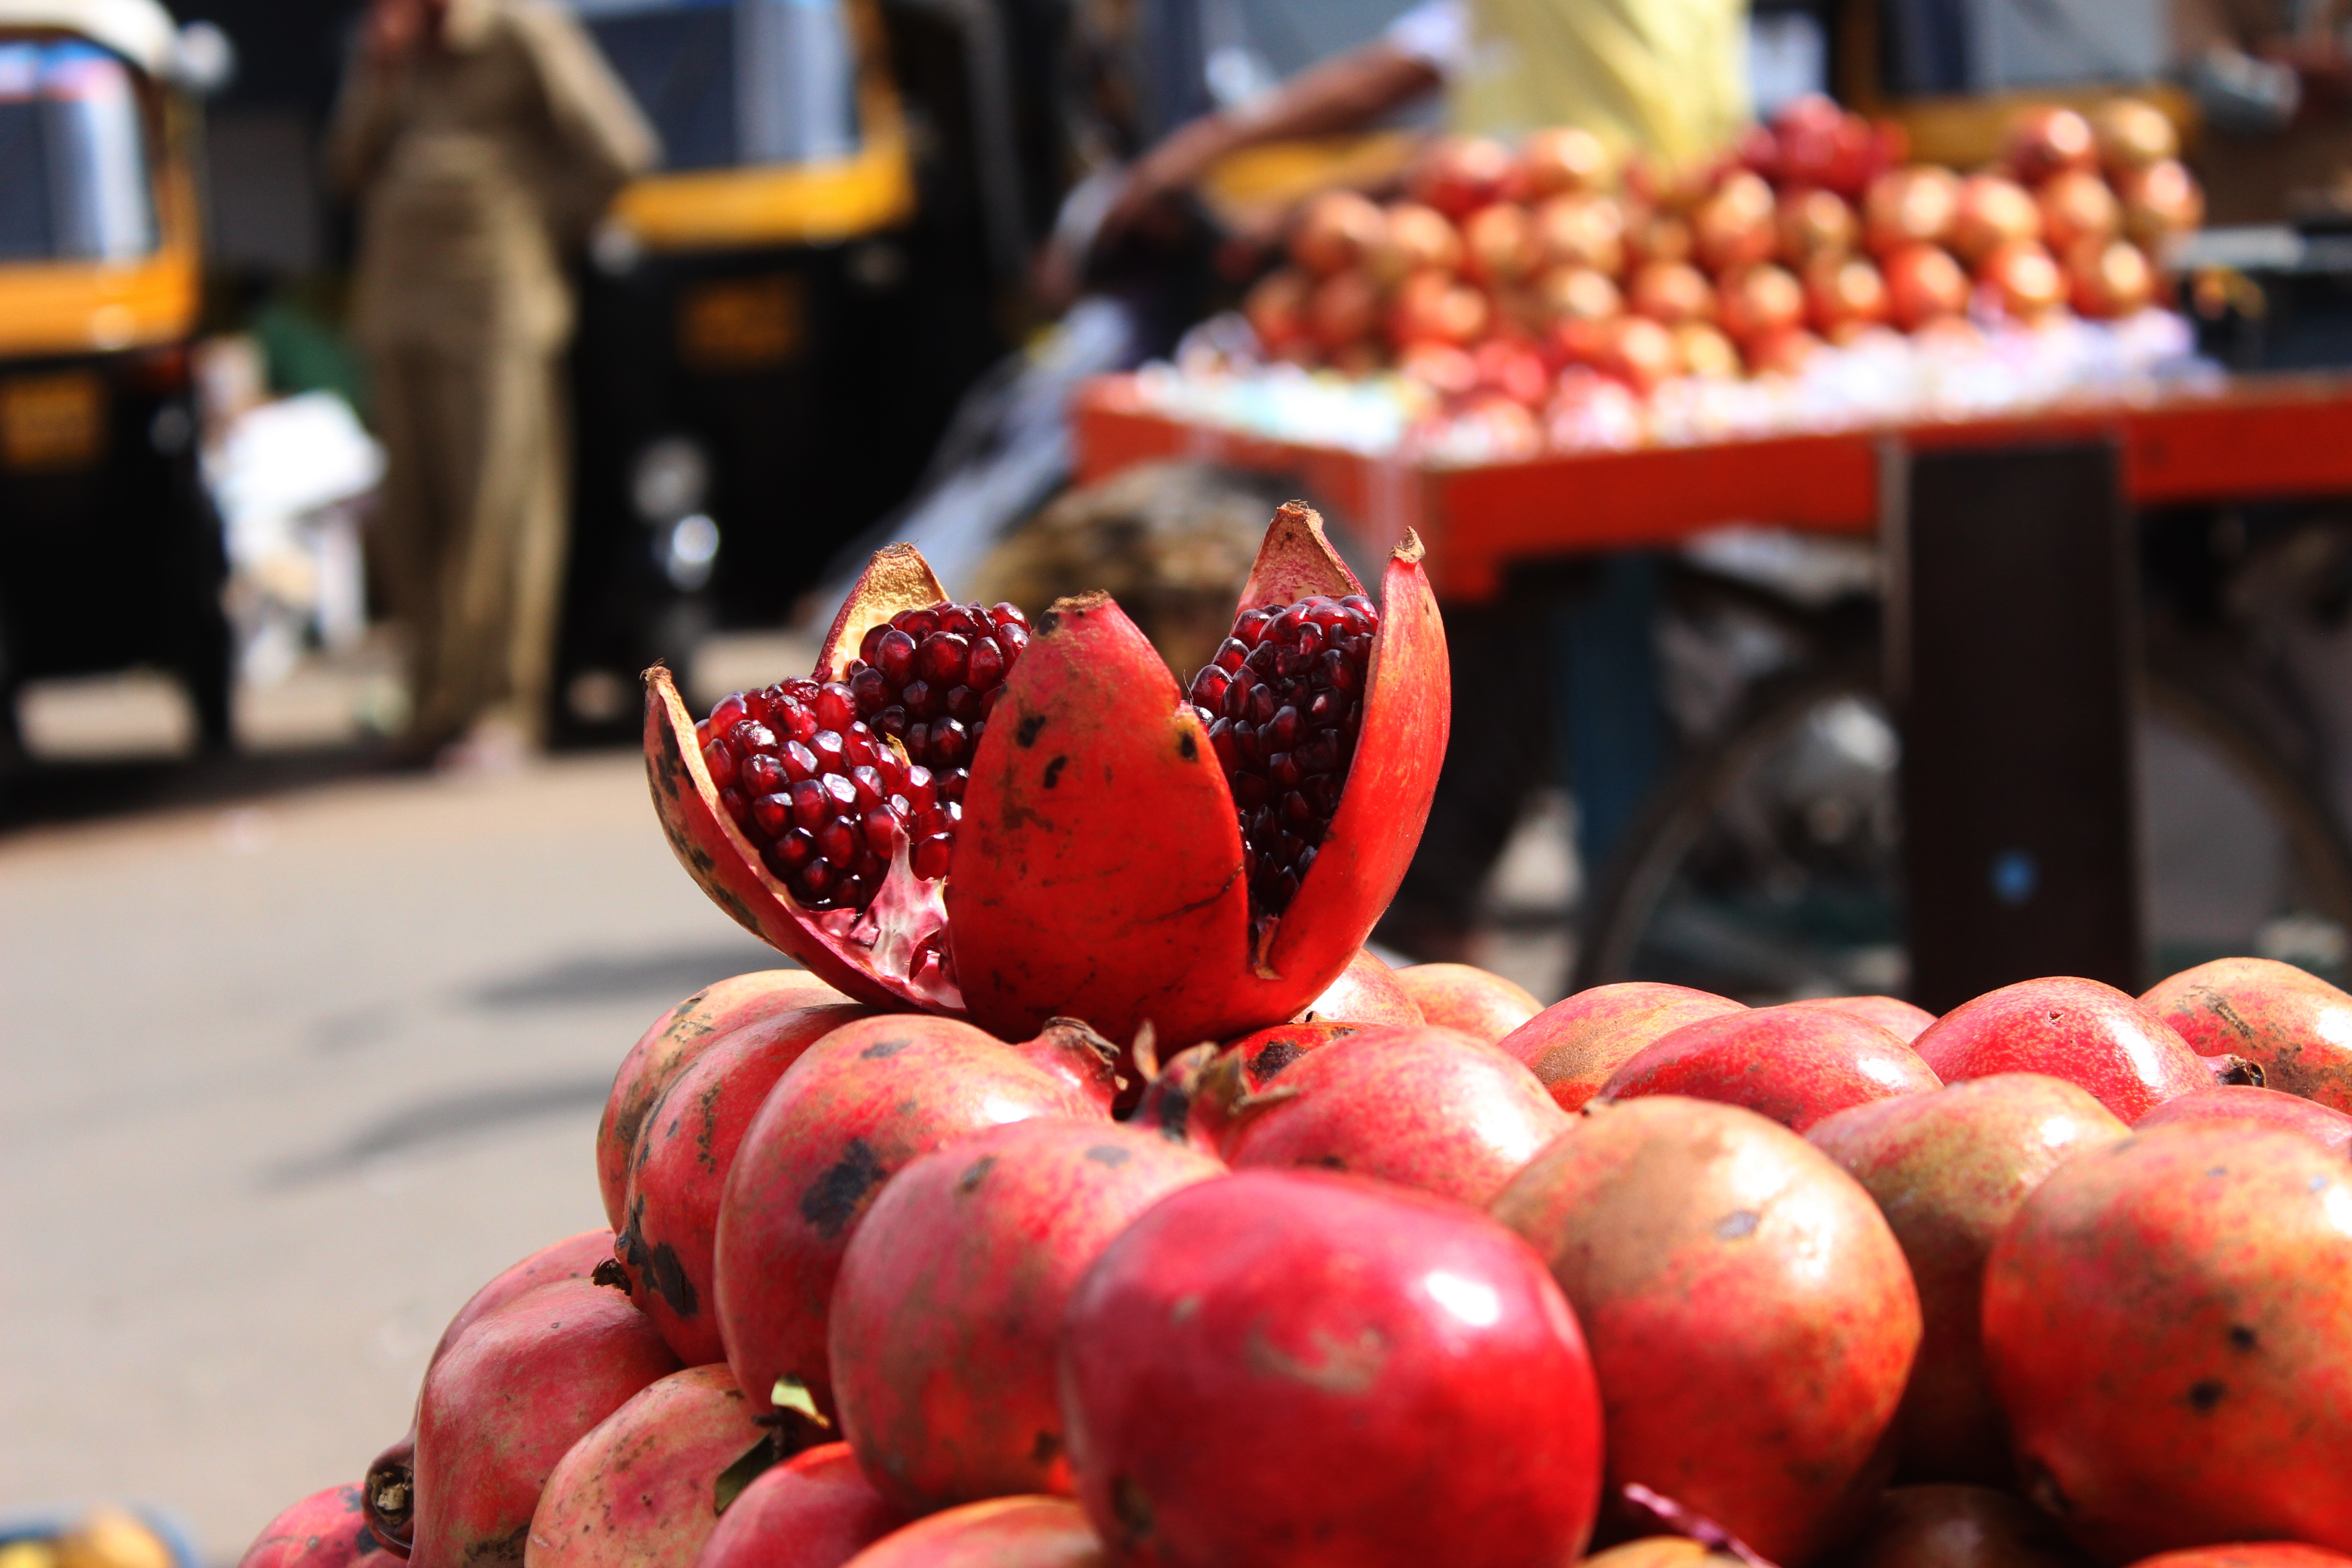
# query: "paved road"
{"type": "Point", "coordinates": [279, 1085]}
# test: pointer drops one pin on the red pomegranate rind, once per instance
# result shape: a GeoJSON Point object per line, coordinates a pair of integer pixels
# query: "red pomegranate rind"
{"type": "Point", "coordinates": [1462, 996]}
{"type": "Point", "coordinates": [2266, 1107]}
{"type": "Point", "coordinates": [1793, 1063]}
{"type": "Point", "coordinates": [1099, 872]}
{"type": "Point", "coordinates": [1366, 993]}
{"type": "Point", "coordinates": [325, 1530]}
{"type": "Point", "coordinates": [2080, 1030]}
{"type": "Point", "coordinates": [640, 1490]}
{"type": "Point", "coordinates": [1408, 706]}
{"type": "Point", "coordinates": [817, 1511]}
{"type": "Point", "coordinates": [726, 865]}
{"type": "Point", "coordinates": [1897, 1017]}
{"type": "Point", "coordinates": [1576, 1043]}
{"type": "Point", "coordinates": [1002, 1532]}
{"type": "Point", "coordinates": [2249, 1555]}
{"type": "Point", "coordinates": [2295, 1024]}
{"type": "Point", "coordinates": [1296, 561]}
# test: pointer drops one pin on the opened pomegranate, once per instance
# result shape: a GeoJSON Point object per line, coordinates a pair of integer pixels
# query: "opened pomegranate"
{"type": "Point", "coordinates": [326, 1530]}
{"type": "Point", "coordinates": [1958, 1527]}
{"type": "Point", "coordinates": [518, 1389]}
{"type": "Point", "coordinates": [1480, 1004]}
{"type": "Point", "coordinates": [1424, 1107]}
{"type": "Point", "coordinates": [640, 1490]}
{"type": "Point", "coordinates": [679, 1170]}
{"type": "Point", "coordinates": [2332, 1130]}
{"type": "Point", "coordinates": [1573, 1045]}
{"type": "Point", "coordinates": [2292, 1024]}
{"type": "Point", "coordinates": [1003, 1532]}
{"type": "Point", "coordinates": [389, 1491]}
{"type": "Point", "coordinates": [1948, 1170]}
{"type": "Point", "coordinates": [1793, 1063]}
{"type": "Point", "coordinates": [667, 1048]}
{"type": "Point", "coordinates": [1256, 1371]}
{"type": "Point", "coordinates": [1750, 1315]}
{"type": "Point", "coordinates": [1120, 862]}
{"type": "Point", "coordinates": [951, 1294]}
{"type": "Point", "coordinates": [817, 1509]}
{"type": "Point", "coordinates": [860, 1106]}
{"type": "Point", "coordinates": [2164, 1321]}
{"type": "Point", "coordinates": [2080, 1030]}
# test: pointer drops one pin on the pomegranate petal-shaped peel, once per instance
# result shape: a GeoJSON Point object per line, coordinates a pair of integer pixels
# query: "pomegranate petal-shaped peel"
{"type": "Point", "coordinates": [1101, 872]}
{"type": "Point", "coordinates": [724, 863]}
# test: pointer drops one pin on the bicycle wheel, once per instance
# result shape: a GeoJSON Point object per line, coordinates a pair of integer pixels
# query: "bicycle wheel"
{"type": "Point", "coordinates": [1770, 865]}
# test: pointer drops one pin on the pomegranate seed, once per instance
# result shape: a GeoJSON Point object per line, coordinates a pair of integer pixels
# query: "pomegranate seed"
{"type": "Point", "coordinates": [932, 855]}
{"type": "Point", "coordinates": [1285, 692]}
{"type": "Point", "coordinates": [829, 778]}
{"type": "Point", "coordinates": [702, 732]}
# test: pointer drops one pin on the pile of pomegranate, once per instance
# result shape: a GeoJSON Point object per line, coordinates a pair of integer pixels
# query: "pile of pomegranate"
{"type": "Point", "coordinates": [1248, 1251]}
{"type": "Point", "coordinates": [1518, 285]}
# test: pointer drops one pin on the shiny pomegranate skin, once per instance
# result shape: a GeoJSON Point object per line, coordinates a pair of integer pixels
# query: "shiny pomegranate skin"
{"type": "Point", "coordinates": [1793, 1063]}
{"type": "Point", "coordinates": [816, 1510]}
{"type": "Point", "coordinates": [2295, 1025]}
{"type": "Point", "coordinates": [1574, 1045]}
{"type": "Point", "coordinates": [2080, 1030]}
{"type": "Point", "coordinates": [1248, 1322]}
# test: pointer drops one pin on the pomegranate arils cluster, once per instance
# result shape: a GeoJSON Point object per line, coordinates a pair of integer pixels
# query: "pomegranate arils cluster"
{"type": "Point", "coordinates": [808, 770]}
{"type": "Point", "coordinates": [1284, 701]}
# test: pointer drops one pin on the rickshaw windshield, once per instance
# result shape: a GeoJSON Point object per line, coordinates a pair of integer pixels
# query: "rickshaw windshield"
{"type": "Point", "coordinates": [73, 156]}
{"type": "Point", "coordinates": [735, 83]}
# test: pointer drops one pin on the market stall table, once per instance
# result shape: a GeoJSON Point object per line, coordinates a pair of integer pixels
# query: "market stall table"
{"type": "Point", "coordinates": [2011, 597]}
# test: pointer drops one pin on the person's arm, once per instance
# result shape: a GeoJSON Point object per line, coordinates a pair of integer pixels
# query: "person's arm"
{"type": "Point", "coordinates": [1341, 94]}
{"type": "Point", "coordinates": [596, 123]}
{"type": "Point", "coordinates": [362, 128]}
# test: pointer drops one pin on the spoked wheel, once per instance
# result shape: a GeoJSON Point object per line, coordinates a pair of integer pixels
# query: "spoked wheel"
{"type": "Point", "coordinates": [1770, 865]}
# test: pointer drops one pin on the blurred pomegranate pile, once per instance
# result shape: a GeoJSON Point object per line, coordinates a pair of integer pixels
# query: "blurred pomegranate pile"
{"type": "Point", "coordinates": [1093, 1198]}
{"type": "Point", "coordinates": [1514, 301]}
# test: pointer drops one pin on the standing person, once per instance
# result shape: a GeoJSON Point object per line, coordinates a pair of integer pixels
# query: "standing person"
{"type": "Point", "coordinates": [2274, 81]}
{"type": "Point", "coordinates": [481, 139]}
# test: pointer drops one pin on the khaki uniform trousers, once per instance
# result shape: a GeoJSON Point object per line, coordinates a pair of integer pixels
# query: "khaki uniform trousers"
{"type": "Point", "coordinates": [474, 527]}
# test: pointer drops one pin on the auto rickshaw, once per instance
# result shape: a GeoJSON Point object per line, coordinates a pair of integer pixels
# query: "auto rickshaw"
{"type": "Point", "coordinates": [110, 555]}
{"type": "Point", "coordinates": [775, 328]}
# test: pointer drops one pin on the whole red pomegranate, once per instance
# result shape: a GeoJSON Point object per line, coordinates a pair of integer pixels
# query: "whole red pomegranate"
{"type": "Point", "coordinates": [1366, 993]}
{"type": "Point", "coordinates": [1756, 302]}
{"type": "Point", "coordinates": [1785, 351]}
{"type": "Point", "coordinates": [1910, 207]}
{"type": "Point", "coordinates": [2295, 1025]}
{"type": "Point", "coordinates": [951, 1294]}
{"type": "Point", "coordinates": [1337, 230]}
{"type": "Point", "coordinates": [1499, 246]}
{"type": "Point", "coordinates": [857, 1109]}
{"type": "Point", "coordinates": [1561, 160]}
{"type": "Point", "coordinates": [817, 1509]}
{"type": "Point", "coordinates": [2164, 1321]}
{"type": "Point", "coordinates": [1342, 309]}
{"type": "Point", "coordinates": [1923, 284]}
{"type": "Point", "coordinates": [1424, 1107]}
{"type": "Point", "coordinates": [1958, 1527]}
{"type": "Point", "coordinates": [676, 1039]}
{"type": "Point", "coordinates": [1573, 1045]}
{"type": "Point", "coordinates": [1420, 239]}
{"type": "Point", "coordinates": [1845, 294]}
{"type": "Point", "coordinates": [2078, 205]}
{"type": "Point", "coordinates": [1751, 1316]}
{"type": "Point", "coordinates": [1575, 294]}
{"type": "Point", "coordinates": [2160, 200]}
{"type": "Point", "coordinates": [2132, 134]}
{"type": "Point", "coordinates": [1734, 227]}
{"type": "Point", "coordinates": [2025, 279]}
{"type": "Point", "coordinates": [1310, 1314]}
{"type": "Point", "coordinates": [679, 1170]}
{"type": "Point", "coordinates": [1210, 864]}
{"type": "Point", "coordinates": [1635, 349]}
{"type": "Point", "coordinates": [639, 1490]}
{"type": "Point", "coordinates": [1673, 292]}
{"type": "Point", "coordinates": [1441, 367]}
{"type": "Point", "coordinates": [1815, 224]}
{"type": "Point", "coordinates": [1587, 231]}
{"type": "Point", "coordinates": [1706, 353]}
{"type": "Point", "coordinates": [1992, 211]}
{"type": "Point", "coordinates": [1432, 308]}
{"type": "Point", "coordinates": [1459, 175]}
{"type": "Point", "coordinates": [1898, 1017]}
{"type": "Point", "coordinates": [2080, 1030]}
{"type": "Point", "coordinates": [2331, 1130]}
{"type": "Point", "coordinates": [1003, 1532]}
{"type": "Point", "coordinates": [389, 1491]}
{"type": "Point", "coordinates": [326, 1530]}
{"type": "Point", "coordinates": [516, 1391]}
{"type": "Point", "coordinates": [1948, 1170]}
{"type": "Point", "coordinates": [1793, 1063]}
{"type": "Point", "coordinates": [1275, 308]}
{"type": "Point", "coordinates": [2049, 140]}
{"type": "Point", "coordinates": [2110, 278]}
{"type": "Point", "coordinates": [2249, 1555]}
{"type": "Point", "coordinates": [1463, 997]}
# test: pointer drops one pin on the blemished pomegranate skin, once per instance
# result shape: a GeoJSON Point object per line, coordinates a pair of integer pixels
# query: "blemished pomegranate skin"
{"type": "Point", "coordinates": [2080, 1030]}
{"type": "Point", "coordinates": [816, 1510]}
{"type": "Point", "coordinates": [638, 1490]}
{"type": "Point", "coordinates": [329, 1529]}
{"type": "Point", "coordinates": [2295, 1025]}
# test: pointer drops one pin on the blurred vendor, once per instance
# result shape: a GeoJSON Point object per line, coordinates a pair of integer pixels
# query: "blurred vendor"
{"type": "Point", "coordinates": [481, 139]}
{"type": "Point", "coordinates": [1668, 78]}
{"type": "Point", "coordinates": [2274, 81]}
